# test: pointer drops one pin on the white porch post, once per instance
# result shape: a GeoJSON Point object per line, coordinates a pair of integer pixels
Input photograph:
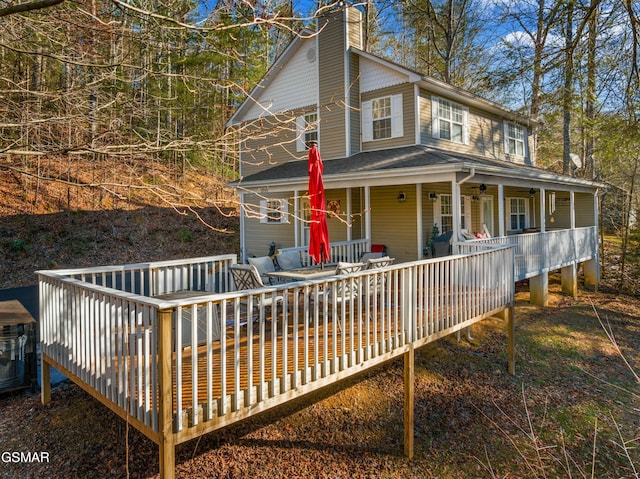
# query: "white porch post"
{"type": "Point", "coordinates": [501, 209]}
{"type": "Point", "coordinates": [570, 272]}
{"type": "Point", "coordinates": [349, 210]}
{"type": "Point", "coordinates": [297, 224]}
{"type": "Point", "coordinates": [243, 243]}
{"type": "Point", "coordinates": [420, 233]}
{"type": "Point", "coordinates": [367, 214]}
{"type": "Point", "coordinates": [455, 206]}
{"type": "Point", "coordinates": [543, 206]}
{"type": "Point", "coordinates": [539, 285]}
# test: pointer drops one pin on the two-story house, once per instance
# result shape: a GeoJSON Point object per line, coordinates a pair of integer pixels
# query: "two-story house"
{"type": "Point", "coordinates": [402, 152]}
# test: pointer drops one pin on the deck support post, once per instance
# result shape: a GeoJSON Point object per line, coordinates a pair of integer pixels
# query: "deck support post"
{"type": "Point", "coordinates": [539, 289]}
{"type": "Point", "coordinates": [570, 280]}
{"type": "Point", "coordinates": [45, 381]}
{"type": "Point", "coordinates": [409, 401]}
{"type": "Point", "coordinates": [591, 270]}
{"type": "Point", "coordinates": [167, 447]}
{"type": "Point", "coordinates": [511, 340]}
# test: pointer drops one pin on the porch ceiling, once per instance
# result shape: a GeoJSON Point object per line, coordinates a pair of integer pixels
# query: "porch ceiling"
{"type": "Point", "coordinates": [410, 165]}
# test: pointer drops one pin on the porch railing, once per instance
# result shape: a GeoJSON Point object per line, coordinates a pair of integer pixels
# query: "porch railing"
{"type": "Point", "coordinates": [537, 253]}
{"type": "Point", "coordinates": [231, 355]}
{"type": "Point", "coordinates": [350, 251]}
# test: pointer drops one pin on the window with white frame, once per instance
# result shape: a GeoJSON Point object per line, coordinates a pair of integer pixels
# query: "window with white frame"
{"type": "Point", "coordinates": [446, 213]}
{"type": "Point", "coordinates": [450, 121]}
{"type": "Point", "coordinates": [382, 118]}
{"type": "Point", "coordinates": [306, 130]}
{"type": "Point", "coordinates": [515, 136]}
{"type": "Point", "coordinates": [517, 214]}
{"type": "Point", "coordinates": [381, 112]}
{"type": "Point", "coordinates": [443, 213]}
{"type": "Point", "coordinates": [273, 211]}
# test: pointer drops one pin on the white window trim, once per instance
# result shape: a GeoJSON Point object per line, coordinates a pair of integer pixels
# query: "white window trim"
{"type": "Point", "coordinates": [437, 212]}
{"type": "Point", "coordinates": [507, 149]}
{"type": "Point", "coordinates": [397, 118]}
{"type": "Point", "coordinates": [527, 219]}
{"type": "Point", "coordinates": [435, 120]}
{"type": "Point", "coordinates": [301, 130]}
{"type": "Point", "coordinates": [265, 210]}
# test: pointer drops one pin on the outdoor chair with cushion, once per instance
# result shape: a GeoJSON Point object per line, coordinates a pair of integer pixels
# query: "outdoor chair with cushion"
{"type": "Point", "coordinates": [381, 262]}
{"type": "Point", "coordinates": [342, 290]}
{"type": "Point", "coordinates": [264, 265]}
{"type": "Point", "coordinates": [246, 277]}
{"type": "Point", "coordinates": [287, 260]}
{"type": "Point", "coordinates": [369, 255]}
{"type": "Point", "coordinates": [377, 281]}
{"type": "Point", "coordinates": [467, 235]}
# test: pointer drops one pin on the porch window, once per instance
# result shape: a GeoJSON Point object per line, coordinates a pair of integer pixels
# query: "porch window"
{"type": "Point", "coordinates": [449, 121]}
{"type": "Point", "coordinates": [518, 213]}
{"type": "Point", "coordinates": [514, 135]}
{"type": "Point", "coordinates": [382, 118]}
{"type": "Point", "coordinates": [274, 211]}
{"type": "Point", "coordinates": [443, 214]}
{"type": "Point", "coordinates": [446, 213]}
{"type": "Point", "coordinates": [306, 130]}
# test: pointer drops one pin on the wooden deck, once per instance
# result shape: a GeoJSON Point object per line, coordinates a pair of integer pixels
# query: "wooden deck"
{"type": "Point", "coordinates": [323, 345]}
{"type": "Point", "coordinates": [177, 369]}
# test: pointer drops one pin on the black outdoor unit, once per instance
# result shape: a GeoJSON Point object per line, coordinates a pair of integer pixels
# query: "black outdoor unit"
{"type": "Point", "coordinates": [17, 347]}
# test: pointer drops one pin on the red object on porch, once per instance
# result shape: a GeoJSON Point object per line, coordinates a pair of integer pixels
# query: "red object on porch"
{"type": "Point", "coordinates": [378, 248]}
{"type": "Point", "coordinates": [318, 233]}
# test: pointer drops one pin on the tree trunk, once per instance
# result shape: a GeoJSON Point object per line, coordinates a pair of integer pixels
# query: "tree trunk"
{"type": "Point", "coordinates": [567, 92]}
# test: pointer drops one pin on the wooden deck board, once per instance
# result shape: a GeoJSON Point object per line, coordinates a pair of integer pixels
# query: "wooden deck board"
{"type": "Point", "coordinates": [316, 344]}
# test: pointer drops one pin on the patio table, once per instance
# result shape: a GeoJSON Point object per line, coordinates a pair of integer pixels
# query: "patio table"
{"type": "Point", "coordinates": [301, 274]}
{"type": "Point", "coordinates": [200, 320]}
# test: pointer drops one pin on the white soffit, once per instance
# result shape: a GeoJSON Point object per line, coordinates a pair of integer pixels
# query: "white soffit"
{"type": "Point", "coordinates": [295, 85]}
{"type": "Point", "coordinates": [374, 76]}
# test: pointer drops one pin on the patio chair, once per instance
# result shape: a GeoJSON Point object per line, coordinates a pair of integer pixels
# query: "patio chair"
{"type": "Point", "coordinates": [381, 262]}
{"type": "Point", "coordinates": [377, 281]}
{"type": "Point", "coordinates": [342, 290]}
{"type": "Point", "coordinates": [264, 265]}
{"type": "Point", "coordinates": [287, 260]}
{"type": "Point", "coordinates": [246, 277]}
{"type": "Point", "coordinates": [370, 255]}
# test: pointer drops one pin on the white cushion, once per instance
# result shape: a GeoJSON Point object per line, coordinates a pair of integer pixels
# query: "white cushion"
{"type": "Point", "coordinates": [289, 260]}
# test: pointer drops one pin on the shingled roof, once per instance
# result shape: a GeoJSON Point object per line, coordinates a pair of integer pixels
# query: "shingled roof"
{"type": "Point", "coordinates": [398, 161]}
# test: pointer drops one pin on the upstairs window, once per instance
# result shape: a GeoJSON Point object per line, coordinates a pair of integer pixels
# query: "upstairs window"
{"type": "Point", "coordinates": [306, 130]}
{"type": "Point", "coordinates": [273, 211]}
{"type": "Point", "coordinates": [381, 111]}
{"type": "Point", "coordinates": [382, 118]}
{"type": "Point", "coordinates": [514, 139]}
{"type": "Point", "coordinates": [449, 121]}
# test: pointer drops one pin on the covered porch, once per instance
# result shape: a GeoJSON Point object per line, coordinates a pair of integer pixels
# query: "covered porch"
{"type": "Point", "coordinates": [404, 198]}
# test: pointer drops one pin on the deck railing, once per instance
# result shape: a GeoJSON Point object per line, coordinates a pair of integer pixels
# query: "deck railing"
{"type": "Point", "coordinates": [537, 253]}
{"type": "Point", "coordinates": [231, 355]}
{"type": "Point", "coordinates": [350, 251]}
{"type": "Point", "coordinates": [160, 277]}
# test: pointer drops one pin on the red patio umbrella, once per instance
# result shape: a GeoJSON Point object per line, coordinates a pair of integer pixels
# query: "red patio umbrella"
{"type": "Point", "coordinates": [318, 233]}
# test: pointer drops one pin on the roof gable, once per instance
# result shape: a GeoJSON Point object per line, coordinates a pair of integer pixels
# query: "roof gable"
{"type": "Point", "coordinates": [290, 83]}
{"type": "Point", "coordinates": [375, 76]}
